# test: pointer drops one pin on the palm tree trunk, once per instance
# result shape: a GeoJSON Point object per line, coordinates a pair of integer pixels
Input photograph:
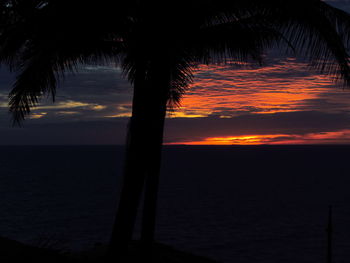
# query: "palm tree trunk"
{"type": "Point", "coordinates": [145, 134]}
{"type": "Point", "coordinates": [151, 190]}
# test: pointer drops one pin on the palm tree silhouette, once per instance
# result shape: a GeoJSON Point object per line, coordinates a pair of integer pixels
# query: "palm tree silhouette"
{"type": "Point", "coordinates": [158, 45]}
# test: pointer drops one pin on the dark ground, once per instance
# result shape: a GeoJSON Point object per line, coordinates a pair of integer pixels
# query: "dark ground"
{"type": "Point", "coordinates": [14, 251]}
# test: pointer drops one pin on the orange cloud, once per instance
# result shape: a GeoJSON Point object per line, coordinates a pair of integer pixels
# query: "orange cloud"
{"type": "Point", "coordinates": [284, 87]}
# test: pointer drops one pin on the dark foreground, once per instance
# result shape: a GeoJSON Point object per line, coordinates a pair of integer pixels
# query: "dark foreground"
{"type": "Point", "coordinates": [14, 251]}
{"type": "Point", "coordinates": [233, 204]}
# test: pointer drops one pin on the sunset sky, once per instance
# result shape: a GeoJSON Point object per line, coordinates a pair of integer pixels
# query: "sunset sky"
{"type": "Point", "coordinates": [282, 102]}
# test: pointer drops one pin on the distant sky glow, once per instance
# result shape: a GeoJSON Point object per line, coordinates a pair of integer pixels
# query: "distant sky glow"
{"type": "Point", "coordinates": [338, 137]}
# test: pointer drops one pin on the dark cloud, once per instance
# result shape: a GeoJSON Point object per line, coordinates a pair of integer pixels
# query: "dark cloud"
{"type": "Point", "coordinates": [113, 131]}
{"type": "Point", "coordinates": [61, 133]}
{"type": "Point", "coordinates": [92, 93]}
{"type": "Point", "coordinates": [83, 100]}
{"type": "Point", "coordinates": [292, 123]}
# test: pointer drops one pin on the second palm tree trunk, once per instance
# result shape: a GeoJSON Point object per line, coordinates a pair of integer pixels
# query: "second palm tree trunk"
{"type": "Point", "coordinates": [151, 193]}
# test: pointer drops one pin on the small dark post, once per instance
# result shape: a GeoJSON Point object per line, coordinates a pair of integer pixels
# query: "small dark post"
{"type": "Point", "coordinates": [329, 236]}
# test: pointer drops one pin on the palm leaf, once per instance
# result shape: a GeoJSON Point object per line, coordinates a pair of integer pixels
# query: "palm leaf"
{"type": "Point", "coordinates": [40, 46]}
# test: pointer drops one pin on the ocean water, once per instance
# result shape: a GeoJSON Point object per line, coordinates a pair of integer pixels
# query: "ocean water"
{"type": "Point", "coordinates": [234, 204]}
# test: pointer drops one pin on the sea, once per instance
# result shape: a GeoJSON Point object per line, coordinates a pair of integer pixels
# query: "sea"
{"type": "Point", "coordinates": [231, 203]}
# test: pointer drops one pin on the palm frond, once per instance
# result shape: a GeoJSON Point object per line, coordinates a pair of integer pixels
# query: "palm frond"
{"type": "Point", "coordinates": [37, 77]}
{"type": "Point", "coordinates": [40, 46]}
{"type": "Point", "coordinates": [316, 34]}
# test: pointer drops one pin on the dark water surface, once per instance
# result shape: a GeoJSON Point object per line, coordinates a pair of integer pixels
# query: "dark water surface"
{"type": "Point", "coordinates": [235, 204]}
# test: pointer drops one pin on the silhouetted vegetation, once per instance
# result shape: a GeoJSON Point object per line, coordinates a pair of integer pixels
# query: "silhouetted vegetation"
{"type": "Point", "coordinates": [158, 45]}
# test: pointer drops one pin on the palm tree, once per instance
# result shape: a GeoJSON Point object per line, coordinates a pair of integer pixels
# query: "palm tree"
{"type": "Point", "coordinates": [158, 45]}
